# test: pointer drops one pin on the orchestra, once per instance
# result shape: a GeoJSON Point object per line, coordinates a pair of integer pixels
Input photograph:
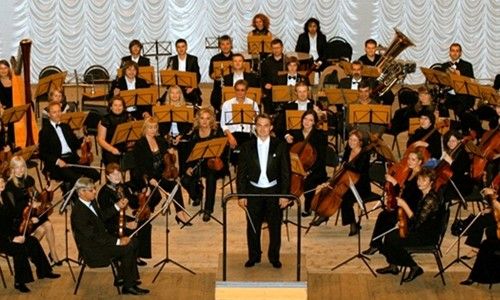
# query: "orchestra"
{"type": "Point", "coordinates": [261, 146]}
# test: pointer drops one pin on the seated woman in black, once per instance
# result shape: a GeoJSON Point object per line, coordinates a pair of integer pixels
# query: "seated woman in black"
{"type": "Point", "coordinates": [423, 229]}
{"type": "Point", "coordinates": [149, 152]}
{"type": "Point", "coordinates": [318, 141]}
{"type": "Point", "coordinates": [19, 246]}
{"type": "Point", "coordinates": [204, 129]}
{"type": "Point", "coordinates": [432, 140]}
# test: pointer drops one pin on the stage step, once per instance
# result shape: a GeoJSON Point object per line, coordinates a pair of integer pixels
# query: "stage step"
{"type": "Point", "coordinates": [260, 290]}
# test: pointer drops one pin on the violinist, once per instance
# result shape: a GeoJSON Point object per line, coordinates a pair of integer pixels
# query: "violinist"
{"type": "Point", "coordinates": [135, 48]}
{"type": "Point", "coordinates": [226, 46]}
{"type": "Point", "coordinates": [388, 218]}
{"type": "Point", "coordinates": [317, 140]}
{"type": "Point", "coordinates": [433, 141]}
{"type": "Point", "coordinates": [19, 190]}
{"type": "Point", "coordinates": [109, 194]}
{"type": "Point", "coordinates": [204, 129]}
{"type": "Point", "coordinates": [117, 114]}
{"type": "Point", "coordinates": [149, 152]}
{"type": "Point", "coordinates": [356, 160]}
{"type": "Point", "coordinates": [20, 247]}
{"type": "Point", "coordinates": [487, 265]}
{"type": "Point", "coordinates": [423, 223]}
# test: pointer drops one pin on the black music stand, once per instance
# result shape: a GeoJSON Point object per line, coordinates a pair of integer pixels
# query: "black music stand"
{"type": "Point", "coordinates": [11, 116]}
{"type": "Point", "coordinates": [157, 49]}
{"type": "Point", "coordinates": [203, 150]}
{"type": "Point", "coordinates": [358, 255]}
{"type": "Point", "coordinates": [75, 120]}
{"type": "Point", "coordinates": [212, 42]}
{"type": "Point", "coordinates": [241, 114]}
{"type": "Point", "coordinates": [369, 114]}
{"type": "Point", "coordinates": [64, 210]}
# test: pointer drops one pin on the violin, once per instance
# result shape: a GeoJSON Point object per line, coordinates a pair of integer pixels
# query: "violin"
{"type": "Point", "coordinates": [390, 196]}
{"type": "Point", "coordinates": [143, 212]}
{"type": "Point", "coordinates": [26, 225]}
{"type": "Point", "coordinates": [170, 171]}
{"type": "Point", "coordinates": [490, 147]}
{"type": "Point", "coordinates": [307, 155]}
{"type": "Point", "coordinates": [122, 220]}
{"type": "Point", "coordinates": [86, 156]}
{"type": "Point", "coordinates": [215, 163]}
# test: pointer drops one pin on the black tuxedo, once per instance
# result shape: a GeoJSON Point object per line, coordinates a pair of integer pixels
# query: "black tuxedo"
{"type": "Point", "coordinates": [143, 61]}
{"type": "Point", "coordinates": [140, 83]}
{"type": "Point", "coordinates": [252, 79]}
{"type": "Point", "coordinates": [346, 82]}
{"type": "Point", "coordinates": [304, 46]}
{"type": "Point", "coordinates": [283, 79]}
{"type": "Point", "coordinates": [463, 66]}
{"type": "Point", "coordinates": [97, 246]}
{"type": "Point", "coordinates": [278, 168]}
{"type": "Point", "coordinates": [191, 66]}
{"type": "Point", "coordinates": [269, 73]}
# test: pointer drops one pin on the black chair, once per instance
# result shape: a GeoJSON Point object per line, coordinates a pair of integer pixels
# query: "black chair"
{"type": "Point", "coordinates": [432, 249]}
{"type": "Point", "coordinates": [112, 264]}
{"type": "Point", "coordinates": [338, 48]}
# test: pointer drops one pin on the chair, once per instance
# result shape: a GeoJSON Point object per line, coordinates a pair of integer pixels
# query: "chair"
{"type": "Point", "coordinates": [6, 257]}
{"type": "Point", "coordinates": [112, 263]}
{"type": "Point", "coordinates": [338, 48]}
{"type": "Point", "coordinates": [96, 74]}
{"type": "Point", "coordinates": [432, 249]}
{"type": "Point", "coordinates": [47, 71]}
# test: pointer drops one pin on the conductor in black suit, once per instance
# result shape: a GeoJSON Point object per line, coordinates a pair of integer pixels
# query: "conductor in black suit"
{"type": "Point", "coordinates": [263, 168]}
{"type": "Point", "coordinates": [238, 72]}
{"type": "Point", "coordinates": [95, 244]}
{"type": "Point", "coordinates": [187, 63]}
{"type": "Point", "coordinates": [135, 48]}
{"type": "Point", "coordinates": [58, 147]}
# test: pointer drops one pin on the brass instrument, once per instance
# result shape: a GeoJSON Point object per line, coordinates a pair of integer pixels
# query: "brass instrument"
{"type": "Point", "coordinates": [392, 70]}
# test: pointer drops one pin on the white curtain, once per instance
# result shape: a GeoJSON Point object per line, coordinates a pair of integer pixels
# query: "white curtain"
{"type": "Point", "coordinates": [75, 34]}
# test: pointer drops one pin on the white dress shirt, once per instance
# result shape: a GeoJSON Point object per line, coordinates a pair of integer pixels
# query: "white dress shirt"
{"type": "Point", "coordinates": [355, 83]}
{"type": "Point", "coordinates": [182, 64]}
{"type": "Point", "coordinates": [65, 149]}
{"type": "Point", "coordinates": [291, 79]}
{"type": "Point", "coordinates": [227, 116]}
{"type": "Point", "coordinates": [130, 84]}
{"type": "Point", "coordinates": [313, 46]}
{"type": "Point", "coordinates": [263, 154]}
{"type": "Point", "coordinates": [237, 76]}
{"type": "Point", "coordinates": [302, 105]}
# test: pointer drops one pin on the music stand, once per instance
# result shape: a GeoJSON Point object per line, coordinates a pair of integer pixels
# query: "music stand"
{"type": "Point", "coordinates": [200, 152]}
{"type": "Point", "coordinates": [489, 95]}
{"type": "Point", "coordinates": [14, 114]}
{"type": "Point", "coordinates": [146, 73]}
{"type": "Point", "coordinates": [157, 49]}
{"type": "Point", "coordinates": [436, 77]}
{"type": "Point", "coordinates": [465, 85]}
{"type": "Point", "coordinates": [369, 114]}
{"type": "Point", "coordinates": [242, 114]}
{"type": "Point", "coordinates": [253, 93]}
{"type": "Point", "coordinates": [342, 97]}
{"type": "Point", "coordinates": [75, 120]}
{"type": "Point", "coordinates": [258, 44]}
{"type": "Point", "coordinates": [180, 78]}
{"type": "Point", "coordinates": [170, 113]}
{"type": "Point", "coordinates": [127, 132]}
{"type": "Point", "coordinates": [139, 97]}
{"type": "Point", "coordinates": [48, 83]}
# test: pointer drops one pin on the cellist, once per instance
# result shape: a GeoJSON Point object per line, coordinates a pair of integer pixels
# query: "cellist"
{"type": "Point", "coordinates": [433, 141]}
{"type": "Point", "coordinates": [317, 140]}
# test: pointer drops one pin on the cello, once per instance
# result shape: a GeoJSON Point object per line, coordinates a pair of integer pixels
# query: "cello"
{"type": "Point", "coordinates": [307, 156]}
{"type": "Point", "coordinates": [490, 148]}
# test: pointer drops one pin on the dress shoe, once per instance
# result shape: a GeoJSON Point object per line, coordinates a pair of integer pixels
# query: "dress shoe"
{"type": "Point", "coordinates": [250, 263]}
{"type": "Point", "coordinates": [276, 264]}
{"type": "Point", "coordinates": [144, 291]}
{"type": "Point", "coordinates": [141, 263]}
{"type": "Point", "coordinates": [306, 214]}
{"type": "Point", "coordinates": [50, 276]}
{"type": "Point", "coordinates": [178, 220]}
{"type": "Point", "coordinates": [22, 287]}
{"type": "Point", "coordinates": [206, 217]}
{"type": "Point", "coordinates": [467, 281]}
{"type": "Point", "coordinates": [390, 269]}
{"type": "Point", "coordinates": [354, 229]}
{"type": "Point", "coordinates": [118, 282]}
{"type": "Point", "coordinates": [370, 251]}
{"type": "Point", "coordinates": [54, 263]}
{"type": "Point", "coordinates": [196, 202]}
{"type": "Point", "coordinates": [319, 221]}
{"type": "Point", "coordinates": [133, 291]}
{"type": "Point", "coordinates": [414, 273]}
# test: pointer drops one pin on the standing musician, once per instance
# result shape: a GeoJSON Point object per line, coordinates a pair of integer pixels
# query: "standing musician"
{"type": "Point", "coordinates": [204, 129]}
{"type": "Point", "coordinates": [312, 40]}
{"type": "Point", "coordinates": [388, 217]}
{"type": "Point", "coordinates": [225, 55]}
{"type": "Point", "coordinates": [236, 133]}
{"type": "Point", "coordinates": [58, 146]}
{"type": "Point", "coordinates": [135, 48]}
{"type": "Point", "coordinates": [423, 229]}
{"type": "Point", "coordinates": [292, 77]}
{"type": "Point", "coordinates": [6, 93]}
{"type": "Point", "coordinates": [433, 142]}
{"type": "Point", "coordinates": [260, 24]}
{"type": "Point", "coordinates": [130, 81]}
{"type": "Point", "coordinates": [95, 244]}
{"type": "Point", "coordinates": [274, 63]}
{"type": "Point", "coordinates": [263, 168]}
{"type": "Point", "coordinates": [317, 139]}
{"type": "Point", "coordinates": [238, 73]}
{"type": "Point", "coordinates": [20, 189]}
{"type": "Point", "coordinates": [187, 63]}
{"type": "Point", "coordinates": [149, 153]}
{"type": "Point", "coordinates": [357, 161]}
{"type": "Point", "coordinates": [370, 58]}
{"type": "Point", "coordinates": [111, 193]}
{"type": "Point", "coordinates": [117, 114]}
{"type": "Point", "coordinates": [20, 247]}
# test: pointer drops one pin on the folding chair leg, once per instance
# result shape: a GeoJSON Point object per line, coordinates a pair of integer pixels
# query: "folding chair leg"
{"type": "Point", "coordinates": [115, 275]}
{"type": "Point", "coordinates": [3, 278]}
{"type": "Point", "coordinates": [79, 278]}
{"type": "Point", "coordinates": [403, 275]}
{"type": "Point", "coordinates": [39, 176]}
{"type": "Point", "coordinates": [440, 266]}
{"type": "Point", "coordinates": [9, 265]}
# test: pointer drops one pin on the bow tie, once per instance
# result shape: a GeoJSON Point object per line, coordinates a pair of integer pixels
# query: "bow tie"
{"type": "Point", "coordinates": [58, 125]}
{"type": "Point", "coordinates": [355, 82]}
{"type": "Point", "coordinates": [292, 77]}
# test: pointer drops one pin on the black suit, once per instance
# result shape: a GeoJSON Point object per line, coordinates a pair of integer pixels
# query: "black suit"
{"type": "Point", "coordinates": [304, 46]}
{"type": "Point", "coordinates": [191, 66]}
{"type": "Point", "coordinates": [278, 168]}
{"type": "Point", "coordinates": [269, 73]}
{"type": "Point", "coordinates": [461, 65]}
{"type": "Point", "coordinates": [283, 79]}
{"type": "Point", "coordinates": [97, 246]}
{"type": "Point", "coordinates": [251, 78]}
{"type": "Point", "coordinates": [51, 150]}
{"type": "Point", "coordinates": [143, 61]}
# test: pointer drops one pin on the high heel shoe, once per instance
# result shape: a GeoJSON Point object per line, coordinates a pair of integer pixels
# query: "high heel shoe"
{"type": "Point", "coordinates": [318, 221]}
{"type": "Point", "coordinates": [178, 220]}
{"type": "Point", "coordinates": [54, 263]}
{"type": "Point", "coordinates": [21, 287]}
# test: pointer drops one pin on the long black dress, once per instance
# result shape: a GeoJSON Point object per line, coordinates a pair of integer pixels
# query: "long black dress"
{"type": "Point", "coordinates": [110, 122]}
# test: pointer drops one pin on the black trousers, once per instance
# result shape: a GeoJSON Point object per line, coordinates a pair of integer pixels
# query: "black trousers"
{"type": "Point", "coordinates": [127, 257]}
{"type": "Point", "coordinates": [30, 249]}
{"type": "Point", "coordinates": [70, 175]}
{"type": "Point", "coordinates": [486, 268]}
{"type": "Point", "coordinates": [394, 250]}
{"type": "Point", "coordinates": [385, 221]}
{"type": "Point", "coordinates": [260, 208]}
{"type": "Point", "coordinates": [195, 190]}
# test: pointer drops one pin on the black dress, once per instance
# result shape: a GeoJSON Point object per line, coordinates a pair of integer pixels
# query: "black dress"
{"type": "Point", "coordinates": [6, 102]}
{"type": "Point", "coordinates": [434, 141]}
{"type": "Point", "coordinates": [110, 122]}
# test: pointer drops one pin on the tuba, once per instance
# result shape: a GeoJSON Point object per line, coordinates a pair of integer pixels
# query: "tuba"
{"type": "Point", "coordinates": [392, 70]}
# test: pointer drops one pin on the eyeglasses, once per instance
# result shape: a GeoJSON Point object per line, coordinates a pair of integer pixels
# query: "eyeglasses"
{"type": "Point", "coordinates": [240, 90]}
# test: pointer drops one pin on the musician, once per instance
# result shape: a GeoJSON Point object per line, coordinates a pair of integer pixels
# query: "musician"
{"type": "Point", "coordinates": [117, 114]}
{"type": "Point", "coordinates": [58, 146]}
{"type": "Point", "coordinates": [364, 92]}
{"type": "Point", "coordinates": [204, 129]}
{"type": "Point", "coordinates": [187, 63]}
{"type": "Point", "coordinates": [318, 141]}
{"type": "Point", "coordinates": [130, 81]}
{"type": "Point", "coordinates": [370, 58]}
{"type": "Point", "coordinates": [149, 152]}
{"type": "Point", "coordinates": [6, 93]}
{"type": "Point", "coordinates": [426, 102]}
{"type": "Point", "coordinates": [352, 82]}
{"type": "Point", "coordinates": [263, 168]}
{"type": "Point", "coordinates": [20, 247]}
{"type": "Point", "coordinates": [225, 55]}
{"type": "Point", "coordinates": [312, 40]}
{"type": "Point", "coordinates": [236, 133]}
{"type": "Point", "coordinates": [387, 218]}
{"type": "Point", "coordinates": [486, 266]}
{"type": "Point", "coordinates": [302, 103]}
{"type": "Point", "coordinates": [135, 47]}
{"type": "Point", "coordinates": [238, 73]}
{"type": "Point", "coordinates": [260, 24]}
{"type": "Point", "coordinates": [433, 142]}
{"type": "Point", "coordinates": [292, 77]}
{"type": "Point", "coordinates": [424, 223]}
{"type": "Point", "coordinates": [109, 195]}
{"type": "Point", "coordinates": [270, 68]}
{"type": "Point", "coordinates": [358, 161]}
{"type": "Point", "coordinates": [57, 94]}
{"type": "Point", "coordinates": [95, 244]}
